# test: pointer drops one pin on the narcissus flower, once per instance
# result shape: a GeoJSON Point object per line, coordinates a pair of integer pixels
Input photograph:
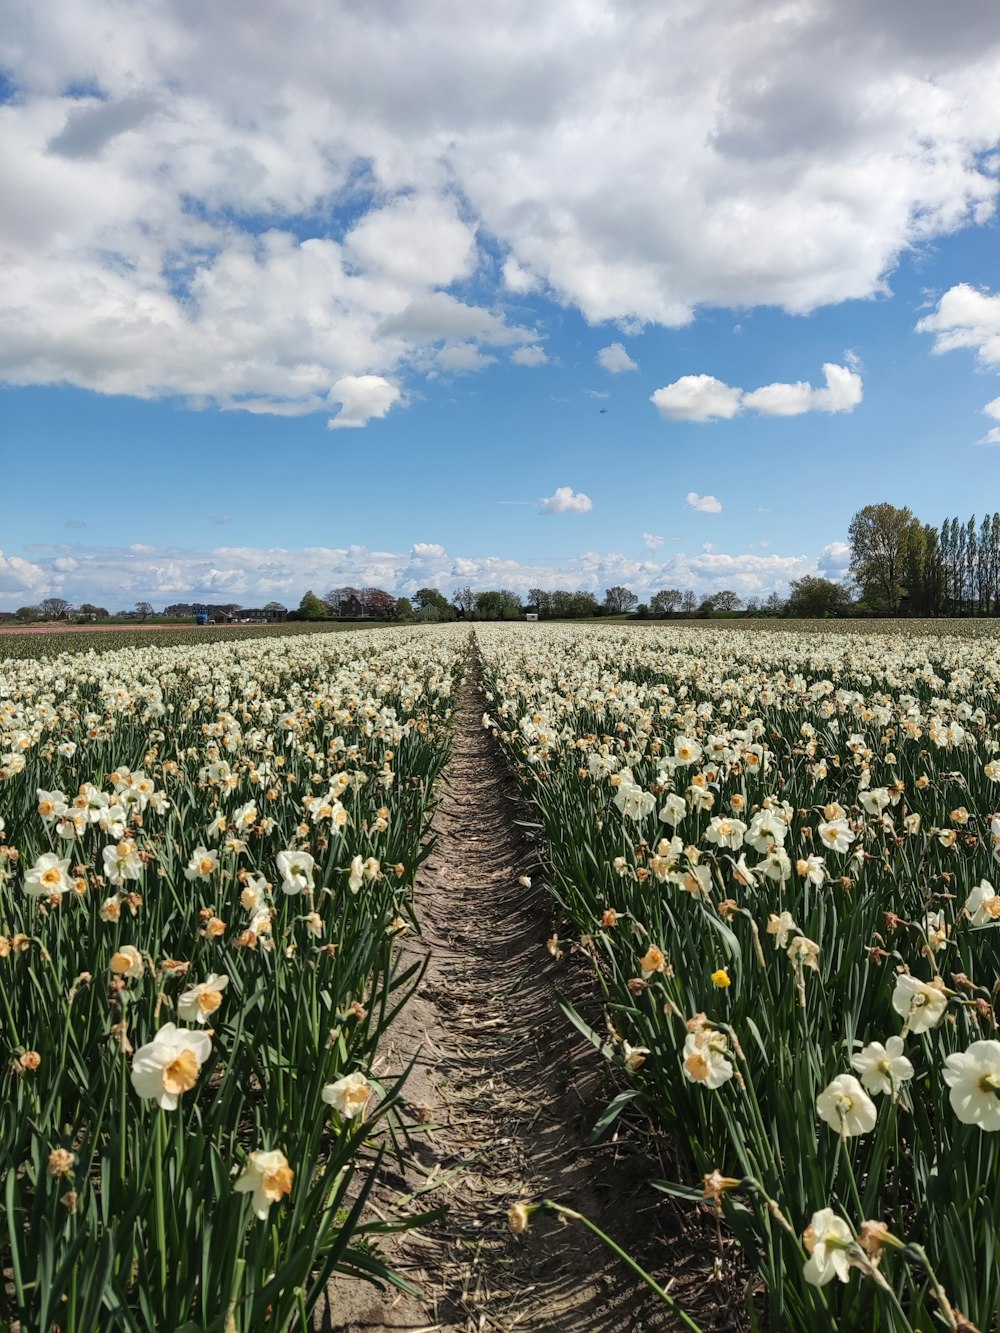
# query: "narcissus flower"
{"type": "Point", "coordinates": [921, 1003]}
{"type": "Point", "coordinates": [202, 865]}
{"type": "Point", "coordinates": [882, 1068]}
{"type": "Point", "coordinates": [828, 1239]}
{"type": "Point", "coordinates": [48, 876]}
{"type": "Point", "coordinates": [845, 1106]}
{"type": "Point", "coordinates": [349, 1095]}
{"type": "Point", "coordinates": [974, 1079]}
{"type": "Point", "coordinates": [268, 1177]}
{"type": "Point", "coordinates": [296, 871]}
{"type": "Point", "coordinates": [197, 1004]}
{"type": "Point", "coordinates": [168, 1066]}
{"type": "Point", "coordinates": [983, 905]}
{"type": "Point", "coordinates": [705, 1058]}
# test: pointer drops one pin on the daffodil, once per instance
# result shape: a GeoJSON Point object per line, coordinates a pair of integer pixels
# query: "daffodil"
{"type": "Point", "coordinates": [974, 1079]}
{"type": "Point", "coordinates": [168, 1066]}
{"type": "Point", "coordinates": [268, 1177]}
{"type": "Point", "coordinates": [846, 1107]}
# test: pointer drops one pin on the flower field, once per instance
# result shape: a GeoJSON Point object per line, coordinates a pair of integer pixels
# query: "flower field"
{"type": "Point", "coordinates": [779, 850]}
{"type": "Point", "coordinates": [206, 854]}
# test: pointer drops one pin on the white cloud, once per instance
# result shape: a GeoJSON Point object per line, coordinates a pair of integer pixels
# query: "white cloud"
{"type": "Point", "coordinates": [362, 397]}
{"type": "Point", "coordinates": [615, 360]}
{"type": "Point", "coordinates": [992, 436]}
{"type": "Point", "coordinates": [530, 356]}
{"type": "Point", "coordinates": [834, 560]}
{"type": "Point", "coordinates": [518, 279]}
{"type": "Point", "coordinates": [463, 357]}
{"type": "Point", "coordinates": [842, 393]}
{"type": "Point", "coordinates": [169, 236]}
{"type": "Point", "coordinates": [696, 398]}
{"type": "Point", "coordinates": [652, 541]}
{"type": "Point", "coordinates": [966, 317]}
{"type": "Point", "coordinates": [704, 398]}
{"type": "Point", "coordinates": [705, 504]}
{"type": "Point", "coordinates": [992, 409]}
{"type": "Point", "coordinates": [118, 577]}
{"type": "Point", "coordinates": [597, 393]}
{"type": "Point", "coordinates": [567, 501]}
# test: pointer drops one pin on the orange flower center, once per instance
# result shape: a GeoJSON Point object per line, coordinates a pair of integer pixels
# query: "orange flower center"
{"type": "Point", "coordinates": [277, 1183]}
{"type": "Point", "coordinates": [181, 1074]}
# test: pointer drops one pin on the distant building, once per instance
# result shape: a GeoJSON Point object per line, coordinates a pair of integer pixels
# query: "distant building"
{"type": "Point", "coordinates": [265, 615]}
{"type": "Point", "coordinates": [351, 608]}
{"type": "Point", "coordinates": [531, 615]}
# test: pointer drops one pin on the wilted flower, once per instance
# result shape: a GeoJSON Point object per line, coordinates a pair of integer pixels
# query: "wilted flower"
{"type": "Point", "coordinates": [127, 962]}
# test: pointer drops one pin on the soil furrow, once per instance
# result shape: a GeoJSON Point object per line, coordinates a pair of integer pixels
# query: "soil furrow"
{"type": "Point", "coordinates": [509, 1092]}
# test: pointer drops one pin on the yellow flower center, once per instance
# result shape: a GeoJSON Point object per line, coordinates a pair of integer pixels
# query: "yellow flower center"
{"type": "Point", "coordinates": [209, 1001]}
{"type": "Point", "coordinates": [52, 877]}
{"type": "Point", "coordinates": [205, 866]}
{"type": "Point", "coordinates": [697, 1066]}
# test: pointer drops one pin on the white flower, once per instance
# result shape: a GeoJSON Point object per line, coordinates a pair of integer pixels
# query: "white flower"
{"type": "Point", "coordinates": [296, 870]}
{"type": "Point", "coordinates": [674, 810]}
{"type": "Point", "coordinates": [47, 876]}
{"type": "Point", "coordinates": [202, 865]}
{"type": "Point", "coordinates": [198, 1003]}
{"type": "Point", "coordinates": [875, 801]}
{"type": "Point", "coordinates": [356, 874]}
{"type": "Point", "coordinates": [830, 1238]}
{"type": "Point", "coordinates": [776, 864]}
{"type": "Point", "coordinates": [882, 1068]}
{"type": "Point", "coordinates": [169, 1065]}
{"type": "Point", "coordinates": [705, 1059]}
{"type": "Point", "coordinates": [349, 1095]}
{"type": "Point", "coordinates": [51, 804]}
{"type": "Point", "coordinates": [836, 835]}
{"type": "Point", "coordinates": [921, 1003]}
{"type": "Point", "coordinates": [122, 861]}
{"type": "Point", "coordinates": [725, 831]}
{"type": "Point", "coordinates": [974, 1079]}
{"type": "Point", "coordinates": [767, 829]}
{"type": "Point", "coordinates": [935, 930]}
{"type": "Point", "coordinates": [846, 1106]}
{"type": "Point", "coordinates": [269, 1177]}
{"type": "Point", "coordinates": [983, 905]}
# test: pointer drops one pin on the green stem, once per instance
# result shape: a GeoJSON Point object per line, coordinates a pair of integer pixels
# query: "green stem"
{"type": "Point", "coordinates": [159, 1156]}
{"type": "Point", "coordinates": [650, 1282]}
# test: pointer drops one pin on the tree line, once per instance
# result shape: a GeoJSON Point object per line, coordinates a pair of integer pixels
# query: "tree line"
{"type": "Point", "coordinates": [901, 565]}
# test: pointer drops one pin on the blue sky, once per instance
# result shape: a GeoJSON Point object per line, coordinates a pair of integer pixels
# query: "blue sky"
{"type": "Point", "coordinates": [216, 261]}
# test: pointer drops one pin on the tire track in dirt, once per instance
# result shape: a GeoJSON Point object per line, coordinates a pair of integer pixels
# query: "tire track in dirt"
{"type": "Point", "coordinates": [510, 1092]}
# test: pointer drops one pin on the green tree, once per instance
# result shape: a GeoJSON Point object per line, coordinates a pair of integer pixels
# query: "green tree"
{"type": "Point", "coordinates": [879, 535]}
{"type": "Point", "coordinates": [816, 597]}
{"type": "Point", "coordinates": [311, 608]}
{"type": "Point", "coordinates": [404, 609]}
{"type": "Point", "coordinates": [430, 597]}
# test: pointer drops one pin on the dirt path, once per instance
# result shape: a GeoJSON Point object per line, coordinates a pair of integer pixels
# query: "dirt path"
{"type": "Point", "coordinates": [511, 1091]}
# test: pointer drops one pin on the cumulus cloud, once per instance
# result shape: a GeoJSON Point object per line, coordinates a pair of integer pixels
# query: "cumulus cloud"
{"type": "Point", "coordinates": [652, 541]}
{"type": "Point", "coordinates": [697, 398]}
{"type": "Point", "coordinates": [116, 577]}
{"type": "Point", "coordinates": [834, 560]}
{"type": "Point", "coordinates": [705, 398]}
{"type": "Point", "coordinates": [361, 397]}
{"type": "Point", "coordinates": [567, 501]}
{"type": "Point", "coordinates": [161, 235]}
{"type": "Point", "coordinates": [705, 504]}
{"type": "Point", "coordinates": [842, 393]}
{"type": "Point", "coordinates": [75, 523]}
{"type": "Point", "coordinates": [615, 360]}
{"type": "Point", "coordinates": [966, 317]}
{"type": "Point", "coordinates": [530, 356]}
